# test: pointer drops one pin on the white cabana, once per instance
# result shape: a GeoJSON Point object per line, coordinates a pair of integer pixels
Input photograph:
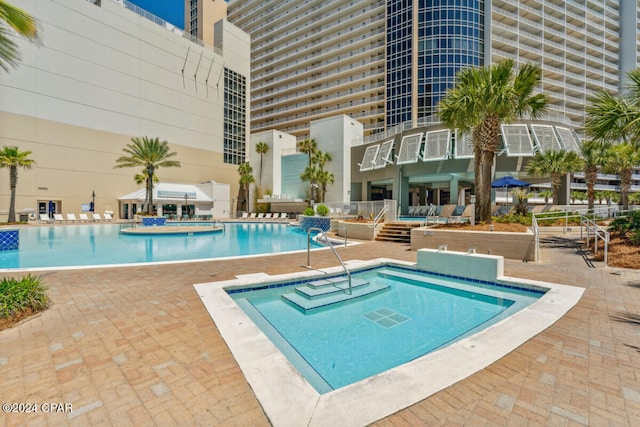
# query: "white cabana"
{"type": "Point", "coordinates": [171, 200]}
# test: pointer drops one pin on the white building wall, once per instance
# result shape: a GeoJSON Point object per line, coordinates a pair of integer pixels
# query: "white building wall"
{"type": "Point", "coordinates": [334, 135]}
{"type": "Point", "coordinates": [110, 69]}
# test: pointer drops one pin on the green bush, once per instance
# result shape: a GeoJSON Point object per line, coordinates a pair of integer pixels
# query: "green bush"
{"type": "Point", "coordinates": [513, 219]}
{"type": "Point", "coordinates": [322, 210]}
{"type": "Point", "coordinates": [309, 212]}
{"type": "Point", "coordinates": [20, 295]}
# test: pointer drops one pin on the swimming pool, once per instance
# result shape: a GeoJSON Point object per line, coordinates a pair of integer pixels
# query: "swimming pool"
{"type": "Point", "coordinates": [288, 397]}
{"type": "Point", "coordinates": [412, 314]}
{"type": "Point", "coordinates": [102, 244]}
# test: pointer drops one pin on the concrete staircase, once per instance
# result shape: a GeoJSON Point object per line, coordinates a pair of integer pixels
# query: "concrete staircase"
{"type": "Point", "coordinates": [323, 292]}
{"type": "Point", "coordinates": [399, 231]}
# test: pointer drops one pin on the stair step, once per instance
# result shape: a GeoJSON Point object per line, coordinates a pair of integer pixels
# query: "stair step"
{"type": "Point", "coordinates": [308, 304]}
{"type": "Point", "coordinates": [333, 287]}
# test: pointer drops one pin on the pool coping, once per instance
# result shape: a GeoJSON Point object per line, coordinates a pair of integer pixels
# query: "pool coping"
{"type": "Point", "coordinates": [287, 398]}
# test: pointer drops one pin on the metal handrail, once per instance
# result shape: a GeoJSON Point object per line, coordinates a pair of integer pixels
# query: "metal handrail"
{"type": "Point", "coordinates": [598, 231]}
{"type": "Point", "coordinates": [332, 248]}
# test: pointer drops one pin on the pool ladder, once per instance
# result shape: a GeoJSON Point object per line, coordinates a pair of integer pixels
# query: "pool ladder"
{"type": "Point", "coordinates": [332, 248]}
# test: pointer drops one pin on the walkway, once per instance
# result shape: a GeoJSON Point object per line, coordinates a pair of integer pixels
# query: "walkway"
{"type": "Point", "coordinates": [134, 346]}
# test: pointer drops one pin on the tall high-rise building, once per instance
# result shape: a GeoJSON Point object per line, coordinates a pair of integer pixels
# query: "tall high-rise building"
{"type": "Point", "coordinates": [200, 15]}
{"type": "Point", "coordinates": [386, 63]}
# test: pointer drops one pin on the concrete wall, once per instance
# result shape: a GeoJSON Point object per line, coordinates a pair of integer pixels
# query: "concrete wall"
{"type": "Point", "coordinates": [334, 135]}
{"type": "Point", "coordinates": [519, 246]}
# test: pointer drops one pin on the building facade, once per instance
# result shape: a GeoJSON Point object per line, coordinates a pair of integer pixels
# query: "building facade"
{"type": "Point", "coordinates": [106, 73]}
{"type": "Point", "coordinates": [388, 64]}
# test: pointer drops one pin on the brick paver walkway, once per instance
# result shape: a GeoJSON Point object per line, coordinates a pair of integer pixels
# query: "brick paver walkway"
{"type": "Point", "coordinates": [134, 346]}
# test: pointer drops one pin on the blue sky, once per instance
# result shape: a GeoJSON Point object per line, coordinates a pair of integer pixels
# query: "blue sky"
{"type": "Point", "coordinates": [170, 10]}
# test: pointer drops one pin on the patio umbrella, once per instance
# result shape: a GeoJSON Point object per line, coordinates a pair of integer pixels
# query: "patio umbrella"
{"type": "Point", "coordinates": [508, 182]}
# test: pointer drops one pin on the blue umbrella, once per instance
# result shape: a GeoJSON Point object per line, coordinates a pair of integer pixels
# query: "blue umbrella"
{"type": "Point", "coordinates": [509, 182]}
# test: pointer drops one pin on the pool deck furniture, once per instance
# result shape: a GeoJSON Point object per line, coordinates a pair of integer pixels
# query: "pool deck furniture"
{"type": "Point", "coordinates": [96, 217]}
{"type": "Point", "coordinates": [72, 217]}
{"type": "Point", "coordinates": [58, 218]}
{"type": "Point", "coordinates": [45, 218]}
{"type": "Point", "coordinates": [84, 217]}
{"type": "Point", "coordinates": [108, 217]}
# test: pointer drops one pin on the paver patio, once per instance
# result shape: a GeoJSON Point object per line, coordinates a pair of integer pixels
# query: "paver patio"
{"type": "Point", "coordinates": [135, 346]}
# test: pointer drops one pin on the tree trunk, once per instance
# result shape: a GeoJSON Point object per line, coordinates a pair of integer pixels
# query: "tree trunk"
{"type": "Point", "coordinates": [487, 169]}
{"type": "Point", "coordinates": [591, 174]}
{"type": "Point", "coordinates": [13, 183]}
{"type": "Point", "coordinates": [150, 173]}
{"type": "Point", "coordinates": [625, 186]}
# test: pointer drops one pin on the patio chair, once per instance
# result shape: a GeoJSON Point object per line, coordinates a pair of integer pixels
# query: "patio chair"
{"type": "Point", "coordinates": [245, 215]}
{"type": "Point", "coordinates": [267, 215]}
{"type": "Point", "coordinates": [58, 217]}
{"type": "Point", "coordinates": [252, 216]}
{"type": "Point", "coordinates": [284, 215]}
{"type": "Point", "coordinates": [84, 217]}
{"type": "Point", "coordinates": [260, 216]}
{"type": "Point", "coordinates": [45, 218]}
{"type": "Point", "coordinates": [108, 217]}
{"type": "Point", "coordinates": [71, 217]}
{"type": "Point", "coordinates": [96, 217]}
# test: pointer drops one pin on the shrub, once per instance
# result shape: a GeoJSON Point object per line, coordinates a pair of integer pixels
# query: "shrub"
{"type": "Point", "coordinates": [309, 212]}
{"type": "Point", "coordinates": [513, 219]}
{"type": "Point", "coordinates": [26, 295]}
{"type": "Point", "coordinates": [322, 210]}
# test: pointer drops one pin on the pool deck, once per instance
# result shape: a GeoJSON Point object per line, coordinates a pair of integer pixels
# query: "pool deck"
{"type": "Point", "coordinates": [135, 346]}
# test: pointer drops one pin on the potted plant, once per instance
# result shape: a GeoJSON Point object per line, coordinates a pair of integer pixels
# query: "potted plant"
{"type": "Point", "coordinates": [318, 218]}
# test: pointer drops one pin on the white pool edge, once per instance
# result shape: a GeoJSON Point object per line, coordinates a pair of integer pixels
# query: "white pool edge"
{"type": "Point", "coordinates": [287, 398]}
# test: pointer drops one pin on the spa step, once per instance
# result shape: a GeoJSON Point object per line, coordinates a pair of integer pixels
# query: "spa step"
{"type": "Point", "coordinates": [321, 287]}
{"type": "Point", "coordinates": [338, 295]}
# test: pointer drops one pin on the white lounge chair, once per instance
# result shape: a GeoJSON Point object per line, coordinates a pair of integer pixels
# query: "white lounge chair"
{"type": "Point", "coordinates": [267, 215]}
{"type": "Point", "coordinates": [58, 217]}
{"type": "Point", "coordinates": [45, 218]}
{"type": "Point", "coordinates": [108, 217]}
{"type": "Point", "coordinates": [71, 217]}
{"type": "Point", "coordinates": [245, 215]}
{"type": "Point", "coordinates": [260, 215]}
{"type": "Point", "coordinates": [252, 216]}
{"type": "Point", "coordinates": [84, 217]}
{"type": "Point", "coordinates": [284, 215]}
{"type": "Point", "coordinates": [96, 217]}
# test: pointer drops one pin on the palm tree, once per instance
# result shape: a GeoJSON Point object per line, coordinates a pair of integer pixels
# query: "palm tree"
{"type": "Point", "coordinates": [322, 176]}
{"type": "Point", "coordinates": [151, 154]}
{"type": "Point", "coordinates": [246, 177]}
{"type": "Point", "coordinates": [481, 100]}
{"type": "Point", "coordinates": [142, 178]}
{"type": "Point", "coordinates": [615, 118]}
{"type": "Point", "coordinates": [21, 22]}
{"type": "Point", "coordinates": [622, 159]}
{"type": "Point", "coordinates": [308, 146]}
{"type": "Point", "coordinates": [13, 158]}
{"type": "Point", "coordinates": [555, 164]}
{"type": "Point", "coordinates": [261, 148]}
{"type": "Point", "coordinates": [594, 155]}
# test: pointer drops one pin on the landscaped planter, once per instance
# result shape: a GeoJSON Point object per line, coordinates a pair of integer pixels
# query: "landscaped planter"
{"type": "Point", "coordinates": [150, 221]}
{"type": "Point", "coordinates": [511, 245]}
{"type": "Point", "coordinates": [358, 230]}
{"type": "Point", "coordinates": [321, 222]}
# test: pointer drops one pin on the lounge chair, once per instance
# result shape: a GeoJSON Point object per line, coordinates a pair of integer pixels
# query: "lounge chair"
{"type": "Point", "coordinates": [245, 215]}
{"type": "Point", "coordinates": [58, 217]}
{"type": "Point", "coordinates": [267, 215]}
{"type": "Point", "coordinates": [108, 217]}
{"type": "Point", "coordinates": [96, 217]}
{"type": "Point", "coordinates": [45, 218]}
{"type": "Point", "coordinates": [84, 217]}
{"type": "Point", "coordinates": [284, 215]}
{"type": "Point", "coordinates": [71, 217]}
{"type": "Point", "coordinates": [252, 216]}
{"type": "Point", "coordinates": [260, 216]}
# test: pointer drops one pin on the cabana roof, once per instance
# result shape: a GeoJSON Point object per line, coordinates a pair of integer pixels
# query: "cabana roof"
{"type": "Point", "coordinates": [170, 192]}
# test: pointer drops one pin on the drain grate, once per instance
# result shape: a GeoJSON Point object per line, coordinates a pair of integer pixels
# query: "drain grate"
{"type": "Point", "coordinates": [386, 318]}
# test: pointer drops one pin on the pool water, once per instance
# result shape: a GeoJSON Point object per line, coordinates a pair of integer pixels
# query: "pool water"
{"type": "Point", "coordinates": [345, 343]}
{"type": "Point", "coordinates": [102, 244]}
